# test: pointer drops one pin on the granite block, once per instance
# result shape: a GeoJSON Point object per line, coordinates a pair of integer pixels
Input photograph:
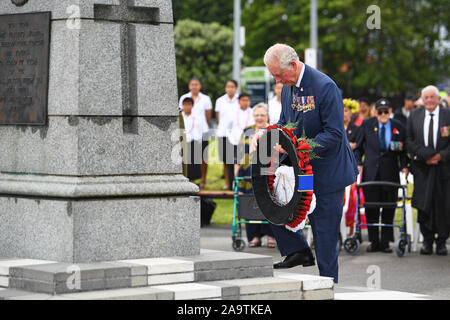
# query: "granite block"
{"type": "Point", "coordinates": [71, 145]}
{"type": "Point", "coordinates": [156, 71]}
{"type": "Point", "coordinates": [170, 278]}
{"type": "Point", "coordinates": [64, 9]}
{"type": "Point", "coordinates": [36, 229]}
{"type": "Point", "coordinates": [263, 285]}
{"type": "Point", "coordinates": [6, 264]}
{"type": "Point", "coordinates": [4, 281]}
{"type": "Point", "coordinates": [135, 228]}
{"type": "Point", "coordinates": [148, 293]}
{"type": "Point", "coordinates": [139, 281]}
{"type": "Point", "coordinates": [234, 273]}
{"type": "Point", "coordinates": [85, 69]}
{"type": "Point", "coordinates": [309, 282]}
{"type": "Point", "coordinates": [190, 291]}
{"type": "Point", "coordinates": [321, 294]}
{"type": "Point", "coordinates": [99, 230]}
{"type": "Point", "coordinates": [163, 265]}
{"type": "Point", "coordinates": [228, 291]}
{"type": "Point", "coordinates": [283, 295]}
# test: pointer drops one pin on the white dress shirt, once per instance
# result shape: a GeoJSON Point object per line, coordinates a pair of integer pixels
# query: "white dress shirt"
{"type": "Point", "coordinates": [274, 110]}
{"type": "Point", "coordinates": [236, 122]}
{"type": "Point", "coordinates": [202, 104]}
{"type": "Point", "coordinates": [192, 130]}
{"type": "Point", "coordinates": [301, 76]}
{"type": "Point", "coordinates": [225, 106]}
{"type": "Point", "coordinates": [426, 126]}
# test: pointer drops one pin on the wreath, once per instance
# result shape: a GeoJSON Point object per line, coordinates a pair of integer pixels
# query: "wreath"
{"type": "Point", "coordinates": [299, 153]}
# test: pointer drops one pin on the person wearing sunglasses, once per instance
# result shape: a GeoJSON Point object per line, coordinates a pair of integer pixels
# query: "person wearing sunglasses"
{"type": "Point", "coordinates": [382, 140]}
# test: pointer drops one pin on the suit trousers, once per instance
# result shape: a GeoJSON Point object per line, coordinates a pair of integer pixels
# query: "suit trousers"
{"type": "Point", "coordinates": [437, 223]}
{"type": "Point", "coordinates": [325, 221]}
{"type": "Point", "coordinates": [380, 194]}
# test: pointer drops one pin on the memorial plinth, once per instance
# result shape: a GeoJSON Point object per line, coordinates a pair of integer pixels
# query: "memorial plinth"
{"type": "Point", "coordinates": [97, 179]}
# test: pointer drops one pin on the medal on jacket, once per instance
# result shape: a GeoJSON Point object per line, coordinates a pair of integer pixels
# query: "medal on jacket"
{"type": "Point", "coordinates": [445, 131]}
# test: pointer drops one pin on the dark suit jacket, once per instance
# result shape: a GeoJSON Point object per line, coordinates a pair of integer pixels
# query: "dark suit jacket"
{"type": "Point", "coordinates": [398, 115]}
{"type": "Point", "coordinates": [386, 164]}
{"type": "Point", "coordinates": [336, 167]}
{"type": "Point", "coordinates": [425, 175]}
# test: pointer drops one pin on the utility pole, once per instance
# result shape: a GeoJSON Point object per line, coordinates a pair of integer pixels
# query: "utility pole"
{"type": "Point", "coordinates": [311, 54]}
{"type": "Point", "coordinates": [313, 32]}
{"type": "Point", "coordinates": [237, 42]}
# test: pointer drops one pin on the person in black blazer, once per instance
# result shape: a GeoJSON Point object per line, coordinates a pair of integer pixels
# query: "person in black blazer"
{"type": "Point", "coordinates": [381, 140]}
{"type": "Point", "coordinates": [402, 114]}
{"type": "Point", "coordinates": [428, 142]}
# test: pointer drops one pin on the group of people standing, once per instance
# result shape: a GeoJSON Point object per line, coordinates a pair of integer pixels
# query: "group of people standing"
{"type": "Point", "coordinates": [233, 113]}
{"type": "Point", "coordinates": [373, 142]}
{"type": "Point", "coordinates": [414, 139]}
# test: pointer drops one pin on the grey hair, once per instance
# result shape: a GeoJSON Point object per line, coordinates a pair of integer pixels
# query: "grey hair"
{"type": "Point", "coordinates": [281, 53]}
{"type": "Point", "coordinates": [261, 105]}
{"type": "Point", "coordinates": [433, 88]}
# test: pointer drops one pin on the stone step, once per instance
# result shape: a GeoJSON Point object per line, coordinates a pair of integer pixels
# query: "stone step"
{"type": "Point", "coordinates": [282, 286]}
{"type": "Point", "coordinates": [60, 278]}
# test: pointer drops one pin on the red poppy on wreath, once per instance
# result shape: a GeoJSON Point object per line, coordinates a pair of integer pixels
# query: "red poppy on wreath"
{"type": "Point", "coordinates": [395, 131]}
{"type": "Point", "coordinates": [303, 147]}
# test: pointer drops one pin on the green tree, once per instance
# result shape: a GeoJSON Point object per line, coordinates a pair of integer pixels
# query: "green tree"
{"type": "Point", "coordinates": [404, 54]}
{"type": "Point", "coordinates": [220, 11]}
{"type": "Point", "coordinates": [203, 50]}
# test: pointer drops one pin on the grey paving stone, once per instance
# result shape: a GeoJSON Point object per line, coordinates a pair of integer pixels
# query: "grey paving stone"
{"type": "Point", "coordinates": [321, 294]}
{"type": "Point", "coordinates": [234, 273]}
{"type": "Point", "coordinates": [283, 295]}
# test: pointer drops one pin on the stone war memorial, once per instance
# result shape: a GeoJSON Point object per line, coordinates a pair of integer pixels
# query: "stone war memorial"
{"type": "Point", "coordinates": [93, 202]}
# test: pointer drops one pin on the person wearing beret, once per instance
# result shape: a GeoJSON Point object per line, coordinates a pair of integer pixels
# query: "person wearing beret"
{"type": "Point", "coordinates": [428, 142]}
{"type": "Point", "coordinates": [382, 141]}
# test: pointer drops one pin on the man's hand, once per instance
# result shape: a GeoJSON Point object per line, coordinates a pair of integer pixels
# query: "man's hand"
{"type": "Point", "coordinates": [360, 169]}
{"type": "Point", "coordinates": [434, 160]}
{"type": "Point", "coordinates": [279, 148]}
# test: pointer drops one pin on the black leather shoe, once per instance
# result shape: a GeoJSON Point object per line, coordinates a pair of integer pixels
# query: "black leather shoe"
{"type": "Point", "coordinates": [386, 250]}
{"type": "Point", "coordinates": [372, 248]}
{"type": "Point", "coordinates": [441, 250]}
{"type": "Point", "coordinates": [426, 249]}
{"type": "Point", "coordinates": [305, 259]}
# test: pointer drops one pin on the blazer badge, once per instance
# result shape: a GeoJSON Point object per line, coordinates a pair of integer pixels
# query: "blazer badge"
{"type": "Point", "coordinates": [303, 103]}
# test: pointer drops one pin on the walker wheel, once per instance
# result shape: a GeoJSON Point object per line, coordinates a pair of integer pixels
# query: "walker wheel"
{"type": "Point", "coordinates": [351, 245]}
{"type": "Point", "coordinates": [400, 247]}
{"type": "Point", "coordinates": [238, 244]}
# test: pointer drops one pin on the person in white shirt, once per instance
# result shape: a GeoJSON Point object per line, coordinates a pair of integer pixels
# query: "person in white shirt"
{"type": "Point", "coordinates": [194, 135]}
{"type": "Point", "coordinates": [203, 110]}
{"type": "Point", "coordinates": [275, 104]}
{"type": "Point", "coordinates": [225, 106]}
{"type": "Point", "coordinates": [239, 119]}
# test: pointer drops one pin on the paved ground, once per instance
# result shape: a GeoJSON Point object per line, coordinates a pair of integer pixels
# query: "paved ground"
{"type": "Point", "coordinates": [413, 273]}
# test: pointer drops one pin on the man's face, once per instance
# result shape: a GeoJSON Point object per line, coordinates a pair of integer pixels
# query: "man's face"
{"type": "Point", "coordinates": [244, 102]}
{"type": "Point", "coordinates": [409, 104]}
{"type": "Point", "coordinates": [230, 89]}
{"type": "Point", "coordinates": [383, 115]}
{"type": "Point", "coordinates": [287, 77]}
{"type": "Point", "coordinates": [430, 100]}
